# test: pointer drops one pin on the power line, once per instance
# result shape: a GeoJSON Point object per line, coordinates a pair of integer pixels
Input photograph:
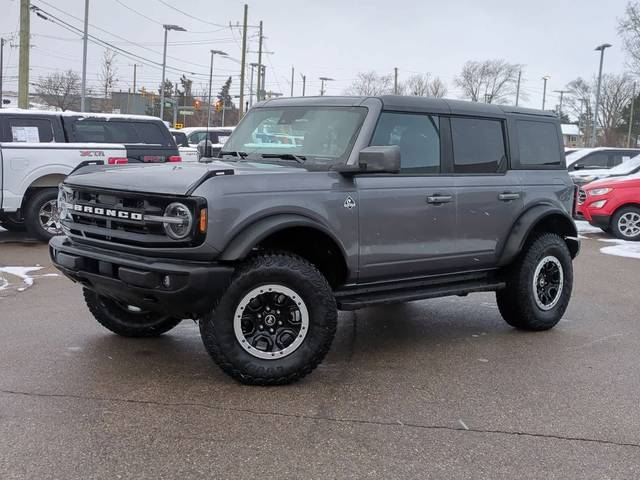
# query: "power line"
{"type": "Point", "coordinates": [167, 4]}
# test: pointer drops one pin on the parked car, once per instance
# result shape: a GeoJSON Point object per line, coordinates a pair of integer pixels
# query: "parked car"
{"type": "Point", "coordinates": [387, 199]}
{"type": "Point", "coordinates": [187, 152]}
{"type": "Point", "coordinates": [628, 167]}
{"type": "Point", "coordinates": [599, 158]}
{"type": "Point", "coordinates": [216, 135]}
{"type": "Point", "coordinates": [39, 148]}
{"type": "Point", "coordinates": [613, 204]}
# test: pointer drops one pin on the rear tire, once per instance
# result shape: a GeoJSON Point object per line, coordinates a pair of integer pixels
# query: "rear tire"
{"type": "Point", "coordinates": [539, 285]}
{"type": "Point", "coordinates": [274, 324]}
{"type": "Point", "coordinates": [124, 320]}
{"type": "Point", "coordinates": [625, 224]}
{"type": "Point", "coordinates": [41, 215]}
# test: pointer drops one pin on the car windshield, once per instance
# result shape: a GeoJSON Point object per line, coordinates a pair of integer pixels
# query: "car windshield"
{"type": "Point", "coordinates": [627, 167]}
{"type": "Point", "coordinates": [319, 135]}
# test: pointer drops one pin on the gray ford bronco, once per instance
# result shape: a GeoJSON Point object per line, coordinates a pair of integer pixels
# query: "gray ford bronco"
{"type": "Point", "coordinates": [322, 204]}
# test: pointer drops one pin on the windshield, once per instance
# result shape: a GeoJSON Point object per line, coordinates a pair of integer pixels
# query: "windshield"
{"type": "Point", "coordinates": [626, 167]}
{"type": "Point", "coordinates": [314, 134]}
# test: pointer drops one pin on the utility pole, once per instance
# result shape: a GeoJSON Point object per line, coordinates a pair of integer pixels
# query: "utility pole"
{"type": "Point", "coordinates": [633, 101]}
{"type": "Point", "coordinates": [323, 79]}
{"type": "Point", "coordinates": [243, 60]}
{"type": "Point", "coordinates": [518, 87]}
{"type": "Point", "coordinates": [253, 65]}
{"type": "Point", "coordinates": [304, 84]}
{"type": "Point", "coordinates": [23, 69]}
{"type": "Point", "coordinates": [293, 72]}
{"type": "Point", "coordinates": [135, 76]}
{"type": "Point", "coordinates": [395, 81]}
{"type": "Point", "coordinates": [1, 65]}
{"type": "Point", "coordinates": [263, 89]}
{"type": "Point", "coordinates": [561, 92]}
{"type": "Point", "coordinates": [544, 90]}
{"type": "Point", "coordinates": [85, 38]}
{"type": "Point", "coordinates": [259, 63]}
{"type": "Point", "coordinates": [600, 48]}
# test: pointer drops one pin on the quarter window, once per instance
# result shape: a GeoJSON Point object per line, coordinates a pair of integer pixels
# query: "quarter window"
{"type": "Point", "coordinates": [418, 137]}
{"type": "Point", "coordinates": [478, 145]}
{"type": "Point", "coordinates": [538, 143]}
{"type": "Point", "coordinates": [29, 130]}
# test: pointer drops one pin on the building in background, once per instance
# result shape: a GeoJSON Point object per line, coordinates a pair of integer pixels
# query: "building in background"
{"type": "Point", "coordinates": [572, 135]}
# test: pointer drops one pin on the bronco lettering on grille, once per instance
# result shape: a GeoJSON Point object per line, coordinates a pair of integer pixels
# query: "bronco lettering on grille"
{"type": "Point", "coordinates": [108, 212]}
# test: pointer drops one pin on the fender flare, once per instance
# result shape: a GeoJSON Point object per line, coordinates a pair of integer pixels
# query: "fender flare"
{"type": "Point", "coordinates": [242, 244]}
{"type": "Point", "coordinates": [525, 224]}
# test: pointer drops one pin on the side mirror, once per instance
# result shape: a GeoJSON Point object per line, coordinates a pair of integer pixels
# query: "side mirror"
{"type": "Point", "coordinates": [377, 159]}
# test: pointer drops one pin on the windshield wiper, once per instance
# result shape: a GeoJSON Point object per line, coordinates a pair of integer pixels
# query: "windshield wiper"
{"type": "Point", "coordinates": [242, 155]}
{"type": "Point", "coordinates": [285, 156]}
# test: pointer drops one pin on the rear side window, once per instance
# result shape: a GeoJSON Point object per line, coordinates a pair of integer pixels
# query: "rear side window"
{"type": "Point", "coordinates": [149, 132]}
{"type": "Point", "coordinates": [28, 130]}
{"type": "Point", "coordinates": [478, 145]}
{"type": "Point", "coordinates": [120, 131]}
{"type": "Point", "coordinates": [539, 144]}
{"type": "Point", "coordinates": [418, 137]}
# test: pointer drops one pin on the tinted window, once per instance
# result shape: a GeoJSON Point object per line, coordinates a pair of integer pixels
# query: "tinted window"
{"type": "Point", "coordinates": [595, 160]}
{"type": "Point", "coordinates": [119, 131]}
{"type": "Point", "coordinates": [478, 145]}
{"type": "Point", "coordinates": [29, 130]}
{"type": "Point", "coordinates": [538, 143]}
{"type": "Point", "coordinates": [153, 133]}
{"type": "Point", "coordinates": [619, 157]}
{"type": "Point", "coordinates": [418, 137]}
{"type": "Point", "coordinates": [181, 139]}
{"type": "Point", "coordinates": [214, 137]}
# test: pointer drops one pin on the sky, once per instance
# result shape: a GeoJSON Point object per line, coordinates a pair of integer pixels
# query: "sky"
{"type": "Point", "coordinates": [329, 38]}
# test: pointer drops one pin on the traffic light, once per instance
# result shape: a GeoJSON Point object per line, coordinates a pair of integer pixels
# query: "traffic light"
{"type": "Point", "coordinates": [219, 106]}
{"type": "Point", "coordinates": [196, 104]}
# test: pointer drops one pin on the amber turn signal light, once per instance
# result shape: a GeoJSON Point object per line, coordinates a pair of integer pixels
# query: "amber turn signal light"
{"type": "Point", "coordinates": [203, 220]}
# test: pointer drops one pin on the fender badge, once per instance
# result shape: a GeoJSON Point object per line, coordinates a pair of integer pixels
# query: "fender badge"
{"type": "Point", "coordinates": [349, 203]}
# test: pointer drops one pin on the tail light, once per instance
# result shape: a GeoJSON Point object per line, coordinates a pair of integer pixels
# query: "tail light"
{"type": "Point", "coordinates": [117, 160]}
{"type": "Point", "coordinates": [174, 159]}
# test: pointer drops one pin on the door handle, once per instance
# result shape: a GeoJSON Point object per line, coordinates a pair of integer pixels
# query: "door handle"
{"type": "Point", "coordinates": [508, 196]}
{"type": "Point", "coordinates": [438, 199]}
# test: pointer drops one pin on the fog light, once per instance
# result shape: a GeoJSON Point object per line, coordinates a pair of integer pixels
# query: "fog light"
{"type": "Point", "coordinates": [598, 204]}
{"type": "Point", "coordinates": [166, 281]}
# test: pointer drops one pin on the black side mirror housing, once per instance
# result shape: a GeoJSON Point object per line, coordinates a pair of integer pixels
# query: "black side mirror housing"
{"type": "Point", "coordinates": [376, 159]}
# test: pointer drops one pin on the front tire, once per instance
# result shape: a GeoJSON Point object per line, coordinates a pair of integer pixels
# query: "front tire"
{"type": "Point", "coordinates": [274, 324]}
{"type": "Point", "coordinates": [127, 320]}
{"type": "Point", "coordinates": [625, 224]}
{"type": "Point", "coordinates": [41, 216]}
{"type": "Point", "coordinates": [538, 286]}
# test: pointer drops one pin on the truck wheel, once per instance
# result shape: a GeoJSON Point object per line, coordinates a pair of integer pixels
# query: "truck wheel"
{"type": "Point", "coordinates": [625, 224]}
{"type": "Point", "coordinates": [274, 324]}
{"type": "Point", "coordinates": [538, 285]}
{"type": "Point", "coordinates": [127, 320]}
{"type": "Point", "coordinates": [41, 215]}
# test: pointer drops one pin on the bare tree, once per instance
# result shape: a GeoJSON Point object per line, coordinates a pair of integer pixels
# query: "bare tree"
{"type": "Point", "coordinates": [629, 30]}
{"type": "Point", "coordinates": [419, 85]}
{"type": "Point", "coordinates": [371, 83]}
{"type": "Point", "coordinates": [579, 104]}
{"type": "Point", "coordinates": [490, 81]}
{"type": "Point", "coordinates": [437, 88]}
{"type": "Point", "coordinates": [108, 74]}
{"type": "Point", "coordinates": [60, 90]}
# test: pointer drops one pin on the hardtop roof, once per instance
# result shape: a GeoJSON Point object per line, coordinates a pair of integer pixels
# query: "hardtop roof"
{"type": "Point", "coordinates": [70, 113]}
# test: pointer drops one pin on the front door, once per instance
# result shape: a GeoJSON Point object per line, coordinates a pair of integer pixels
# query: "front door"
{"type": "Point", "coordinates": [407, 221]}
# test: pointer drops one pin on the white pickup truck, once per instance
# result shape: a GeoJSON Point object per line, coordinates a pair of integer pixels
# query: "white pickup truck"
{"type": "Point", "coordinates": [39, 149]}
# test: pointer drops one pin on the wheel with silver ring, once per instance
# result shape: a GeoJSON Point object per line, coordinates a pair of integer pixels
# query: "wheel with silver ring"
{"type": "Point", "coordinates": [538, 285]}
{"type": "Point", "coordinates": [275, 322]}
{"type": "Point", "coordinates": [625, 223]}
{"type": "Point", "coordinates": [41, 214]}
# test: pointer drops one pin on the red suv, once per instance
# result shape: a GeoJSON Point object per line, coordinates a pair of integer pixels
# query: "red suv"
{"type": "Point", "coordinates": [613, 205]}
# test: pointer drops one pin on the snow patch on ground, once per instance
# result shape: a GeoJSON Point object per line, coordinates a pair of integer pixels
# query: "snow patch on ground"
{"type": "Point", "coordinates": [2, 229]}
{"type": "Point", "coordinates": [621, 248]}
{"type": "Point", "coordinates": [586, 227]}
{"type": "Point", "coordinates": [23, 273]}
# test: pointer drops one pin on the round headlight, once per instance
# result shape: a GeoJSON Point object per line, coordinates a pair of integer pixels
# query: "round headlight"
{"type": "Point", "coordinates": [178, 222]}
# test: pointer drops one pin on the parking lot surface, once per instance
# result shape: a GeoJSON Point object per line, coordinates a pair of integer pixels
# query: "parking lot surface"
{"type": "Point", "coordinates": [434, 389]}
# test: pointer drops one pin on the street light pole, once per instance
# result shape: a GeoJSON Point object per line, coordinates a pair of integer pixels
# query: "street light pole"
{"type": "Point", "coordinates": [213, 52]}
{"type": "Point", "coordinates": [85, 39]}
{"type": "Point", "coordinates": [600, 48]}
{"type": "Point", "coordinates": [544, 90]}
{"type": "Point", "coordinates": [324, 79]}
{"type": "Point", "coordinates": [164, 63]}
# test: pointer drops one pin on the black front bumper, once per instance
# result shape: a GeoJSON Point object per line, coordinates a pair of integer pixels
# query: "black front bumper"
{"type": "Point", "coordinates": [601, 221]}
{"type": "Point", "coordinates": [186, 289]}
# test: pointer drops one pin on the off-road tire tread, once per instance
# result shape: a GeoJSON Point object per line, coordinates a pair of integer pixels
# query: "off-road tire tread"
{"type": "Point", "coordinates": [99, 313]}
{"type": "Point", "coordinates": [305, 269]}
{"type": "Point", "coordinates": [523, 314]}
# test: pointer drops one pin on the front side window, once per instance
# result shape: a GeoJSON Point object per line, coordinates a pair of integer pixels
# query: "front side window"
{"type": "Point", "coordinates": [538, 143]}
{"type": "Point", "coordinates": [320, 135]}
{"type": "Point", "coordinates": [593, 161]}
{"type": "Point", "coordinates": [478, 145]}
{"type": "Point", "coordinates": [418, 137]}
{"type": "Point", "coordinates": [29, 130]}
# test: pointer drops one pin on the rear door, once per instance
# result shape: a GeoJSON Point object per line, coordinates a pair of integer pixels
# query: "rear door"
{"type": "Point", "coordinates": [407, 221]}
{"type": "Point", "coordinates": [489, 194]}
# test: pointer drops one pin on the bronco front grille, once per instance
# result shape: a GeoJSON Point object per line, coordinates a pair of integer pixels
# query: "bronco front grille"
{"type": "Point", "coordinates": [126, 218]}
{"type": "Point", "coordinates": [582, 196]}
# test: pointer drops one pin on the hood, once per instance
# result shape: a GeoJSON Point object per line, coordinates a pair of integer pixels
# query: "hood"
{"type": "Point", "coordinates": [630, 181]}
{"type": "Point", "coordinates": [169, 178]}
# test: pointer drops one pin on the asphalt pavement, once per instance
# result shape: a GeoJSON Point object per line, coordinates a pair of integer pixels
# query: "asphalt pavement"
{"type": "Point", "coordinates": [434, 389]}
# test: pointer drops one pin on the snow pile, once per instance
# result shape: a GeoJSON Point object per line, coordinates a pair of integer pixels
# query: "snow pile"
{"type": "Point", "coordinates": [586, 227]}
{"type": "Point", "coordinates": [622, 248]}
{"type": "Point", "coordinates": [2, 229]}
{"type": "Point", "coordinates": [24, 273]}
